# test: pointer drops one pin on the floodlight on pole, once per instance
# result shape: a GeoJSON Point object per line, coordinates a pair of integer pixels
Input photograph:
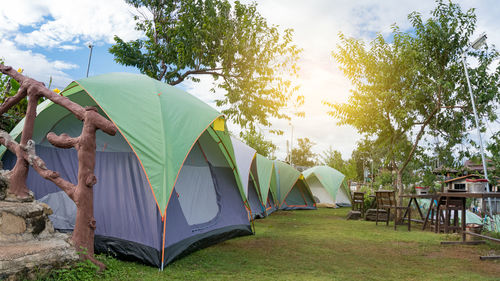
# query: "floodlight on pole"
{"type": "Point", "coordinates": [91, 46]}
{"type": "Point", "coordinates": [479, 41]}
{"type": "Point", "coordinates": [476, 45]}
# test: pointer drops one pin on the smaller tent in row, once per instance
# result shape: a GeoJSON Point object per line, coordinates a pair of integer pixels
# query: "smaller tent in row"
{"type": "Point", "coordinates": [328, 186]}
{"type": "Point", "coordinates": [293, 191]}
{"type": "Point", "coordinates": [258, 179]}
{"type": "Point", "coordinates": [270, 185]}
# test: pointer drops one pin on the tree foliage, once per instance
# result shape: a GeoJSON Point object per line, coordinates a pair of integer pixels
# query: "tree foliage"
{"type": "Point", "coordinates": [8, 88]}
{"type": "Point", "coordinates": [303, 155]}
{"type": "Point", "coordinates": [333, 158]}
{"type": "Point", "coordinates": [415, 85]}
{"type": "Point", "coordinates": [257, 141]}
{"type": "Point", "coordinates": [250, 60]}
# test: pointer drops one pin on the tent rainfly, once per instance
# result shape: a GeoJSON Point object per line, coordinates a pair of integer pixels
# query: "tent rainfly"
{"type": "Point", "coordinates": [266, 179]}
{"type": "Point", "coordinates": [326, 186]}
{"type": "Point", "coordinates": [167, 182]}
{"type": "Point", "coordinates": [293, 191]}
{"type": "Point", "coordinates": [245, 159]}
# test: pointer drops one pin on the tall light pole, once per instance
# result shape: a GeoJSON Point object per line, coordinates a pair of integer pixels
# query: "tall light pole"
{"type": "Point", "coordinates": [476, 45]}
{"type": "Point", "coordinates": [91, 46]}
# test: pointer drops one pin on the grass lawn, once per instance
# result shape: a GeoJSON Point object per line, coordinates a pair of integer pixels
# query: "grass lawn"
{"type": "Point", "coordinates": [317, 245]}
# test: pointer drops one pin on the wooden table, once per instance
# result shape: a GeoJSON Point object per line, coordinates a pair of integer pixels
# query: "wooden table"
{"type": "Point", "coordinates": [413, 199]}
{"type": "Point", "coordinates": [463, 195]}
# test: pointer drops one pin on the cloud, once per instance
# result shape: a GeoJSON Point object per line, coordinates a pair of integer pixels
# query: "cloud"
{"type": "Point", "coordinates": [64, 21]}
{"type": "Point", "coordinates": [69, 47]}
{"type": "Point", "coordinates": [30, 28]}
{"type": "Point", "coordinates": [36, 65]}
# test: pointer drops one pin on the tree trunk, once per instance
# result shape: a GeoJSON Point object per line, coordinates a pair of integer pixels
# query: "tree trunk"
{"type": "Point", "coordinates": [400, 190]}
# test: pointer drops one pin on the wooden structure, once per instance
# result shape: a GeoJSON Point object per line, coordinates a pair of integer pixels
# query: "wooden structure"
{"type": "Point", "coordinates": [386, 200]}
{"type": "Point", "coordinates": [458, 184]}
{"type": "Point", "coordinates": [358, 202]}
{"type": "Point", "coordinates": [85, 145]}
{"type": "Point", "coordinates": [449, 201]}
{"type": "Point", "coordinates": [413, 201]}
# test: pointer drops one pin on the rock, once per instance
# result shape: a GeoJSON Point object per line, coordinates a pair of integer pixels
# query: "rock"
{"type": "Point", "coordinates": [26, 260]}
{"type": "Point", "coordinates": [4, 182]}
{"type": "Point", "coordinates": [28, 243]}
{"type": "Point", "coordinates": [24, 221]}
{"type": "Point", "coordinates": [11, 224]}
{"type": "Point", "coordinates": [354, 215]}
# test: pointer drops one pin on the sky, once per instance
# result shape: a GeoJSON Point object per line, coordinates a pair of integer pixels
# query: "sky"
{"type": "Point", "coordinates": [49, 38]}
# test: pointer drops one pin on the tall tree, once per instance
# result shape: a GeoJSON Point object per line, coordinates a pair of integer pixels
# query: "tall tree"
{"type": "Point", "coordinates": [333, 158]}
{"type": "Point", "coordinates": [248, 59]}
{"type": "Point", "coordinates": [415, 85]}
{"type": "Point", "coordinates": [257, 141]}
{"type": "Point", "coordinates": [303, 155]}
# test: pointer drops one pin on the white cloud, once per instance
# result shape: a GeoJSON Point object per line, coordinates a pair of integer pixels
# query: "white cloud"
{"type": "Point", "coordinates": [36, 65]}
{"type": "Point", "coordinates": [69, 47]}
{"type": "Point", "coordinates": [59, 24]}
{"type": "Point", "coordinates": [64, 21]}
{"type": "Point", "coordinates": [63, 65]}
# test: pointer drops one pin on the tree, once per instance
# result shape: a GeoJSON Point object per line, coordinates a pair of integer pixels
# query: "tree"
{"type": "Point", "coordinates": [415, 85]}
{"type": "Point", "coordinates": [8, 88]}
{"type": "Point", "coordinates": [248, 59]}
{"type": "Point", "coordinates": [494, 148]}
{"type": "Point", "coordinates": [257, 141]}
{"type": "Point", "coordinates": [333, 158]}
{"type": "Point", "coordinates": [303, 156]}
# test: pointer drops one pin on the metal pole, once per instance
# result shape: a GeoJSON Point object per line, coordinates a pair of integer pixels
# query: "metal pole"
{"type": "Point", "coordinates": [90, 57]}
{"type": "Point", "coordinates": [478, 132]}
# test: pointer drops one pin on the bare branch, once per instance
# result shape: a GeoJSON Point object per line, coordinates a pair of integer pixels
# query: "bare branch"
{"type": "Point", "coordinates": [212, 71]}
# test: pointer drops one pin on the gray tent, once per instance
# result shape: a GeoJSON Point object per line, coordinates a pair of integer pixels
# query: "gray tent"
{"type": "Point", "coordinates": [246, 162]}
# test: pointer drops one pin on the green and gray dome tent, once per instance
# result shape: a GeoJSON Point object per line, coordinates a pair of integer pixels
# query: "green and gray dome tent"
{"type": "Point", "coordinates": [326, 185]}
{"type": "Point", "coordinates": [293, 191]}
{"type": "Point", "coordinates": [266, 179]}
{"type": "Point", "coordinates": [245, 159]}
{"type": "Point", "coordinates": [167, 182]}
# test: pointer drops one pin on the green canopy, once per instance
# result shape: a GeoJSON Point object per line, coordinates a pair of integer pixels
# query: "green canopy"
{"type": "Point", "coordinates": [329, 178]}
{"type": "Point", "coordinates": [161, 136]}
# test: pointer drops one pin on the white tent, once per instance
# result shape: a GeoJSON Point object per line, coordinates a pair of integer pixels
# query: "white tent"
{"type": "Point", "coordinates": [326, 186]}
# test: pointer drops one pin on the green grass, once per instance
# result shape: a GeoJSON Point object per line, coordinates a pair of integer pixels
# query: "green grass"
{"type": "Point", "coordinates": [315, 245]}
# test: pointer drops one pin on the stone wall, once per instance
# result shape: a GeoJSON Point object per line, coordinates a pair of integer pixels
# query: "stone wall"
{"type": "Point", "coordinates": [28, 243]}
